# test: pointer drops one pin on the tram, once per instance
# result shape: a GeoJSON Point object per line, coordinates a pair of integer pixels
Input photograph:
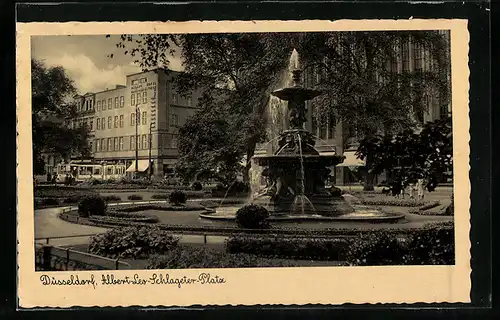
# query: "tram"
{"type": "Point", "coordinates": [82, 172]}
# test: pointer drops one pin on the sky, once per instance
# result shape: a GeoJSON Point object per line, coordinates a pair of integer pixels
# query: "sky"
{"type": "Point", "coordinates": [86, 61]}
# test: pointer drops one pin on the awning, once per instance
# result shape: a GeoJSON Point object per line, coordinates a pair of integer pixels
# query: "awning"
{"type": "Point", "coordinates": [142, 166]}
{"type": "Point", "coordinates": [351, 160]}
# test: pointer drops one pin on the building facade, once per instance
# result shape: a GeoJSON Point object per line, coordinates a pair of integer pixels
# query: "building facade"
{"type": "Point", "coordinates": [137, 121]}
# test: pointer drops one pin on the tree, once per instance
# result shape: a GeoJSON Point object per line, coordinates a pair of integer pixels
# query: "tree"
{"type": "Point", "coordinates": [52, 104]}
{"type": "Point", "coordinates": [208, 146]}
{"type": "Point", "coordinates": [408, 156]}
{"type": "Point", "coordinates": [247, 66]}
{"type": "Point", "coordinates": [364, 88]}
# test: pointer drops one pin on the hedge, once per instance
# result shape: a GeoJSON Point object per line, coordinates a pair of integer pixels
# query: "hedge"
{"type": "Point", "coordinates": [184, 257]}
{"type": "Point", "coordinates": [288, 248]}
{"type": "Point", "coordinates": [429, 245]}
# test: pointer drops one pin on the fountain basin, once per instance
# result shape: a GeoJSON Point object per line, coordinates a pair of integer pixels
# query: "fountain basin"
{"type": "Point", "coordinates": [359, 215]}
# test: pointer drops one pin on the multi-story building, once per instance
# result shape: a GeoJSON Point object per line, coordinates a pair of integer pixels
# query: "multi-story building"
{"type": "Point", "coordinates": [137, 121]}
{"type": "Point", "coordinates": [340, 138]}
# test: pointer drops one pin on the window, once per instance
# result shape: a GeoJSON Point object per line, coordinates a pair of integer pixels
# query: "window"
{"type": "Point", "coordinates": [103, 124]}
{"type": "Point", "coordinates": [98, 105]}
{"type": "Point", "coordinates": [174, 141]}
{"type": "Point", "coordinates": [136, 81]}
{"type": "Point", "coordinates": [138, 114]}
{"type": "Point", "coordinates": [406, 57]}
{"type": "Point", "coordinates": [110, 103]}
{"type": "Point", "coordinates": [132, 99]}
{"type": "Point", "coordinates": [121, 143]}
{"type": "Point", "coordinates": [103, 145]}
{"type": "Point", "coordinates": [132, 119]}
{"type": "Point", "coordinates": [139, 145]}
{"type": "Point", "coordinates": [175, 98]}
{"type": "Point", "coordinates": [109, 122]}
{"type": "Point", "coordinates": [174, 121]}
{"type": "Point", "coordinates": [132, 143]}
{"type": "Point", "coordinates": [138, 99]}
{"type": "Point", "coordinates": [144, 141]}
{"type": "Point", "coordinates": [144, 117]}
{"type": "Point", "coordinates": [98, 124]}
{"type": "Point", "coordinates": [189, 101]}
{"type": "Point", "coordinates": [103, 105]}
{"type": "Point", "coordinates": [145, 97]}
{"type": "Point", "coordinates": [91, 145]}
{"type": "Point", "coordinates": [417, 55]}
{"type": "Point", "coordinates": [98, 145]}
{"type": "Point", "coordinates": [122, 101]}
{"type": "Point", "coordinates": [110, 144]}
{"type": "Point", "coordinates": [116, 144]}
{"type": "Point", "coordinates": [143, 80]}
{"type": "Point", "coordinates": [121, 121]}
{"type": "Point", "coordinates": [116, 102]}
{"type": "Point", "coordinates": [91, 124]}
{"type": "Point", "coordinates": [116, 121]}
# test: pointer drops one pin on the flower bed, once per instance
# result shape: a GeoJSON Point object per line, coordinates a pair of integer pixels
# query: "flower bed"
{"type": "Point", "coordinates": [214, 204]}
{"type": "Point", "coordinates": [61, 192]}
{"type": "Point", "coordinates": [123, 218]}
{"type": "Point", "coordinates": [394, 202]}
{"type": "Point", "coordinates": [429, 205]}
{"type": "Point", "coordinates": [184, 257]}
{"type": "Point", "coordinates": [154, 206]}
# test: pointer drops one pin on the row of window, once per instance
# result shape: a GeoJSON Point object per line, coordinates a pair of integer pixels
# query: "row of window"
{"type": "Point", "coordinates": [118, 143]}
{"type": "Point", "coordinates": [119, 102]}
{"type": "Point", "coordinates": [118, 121]}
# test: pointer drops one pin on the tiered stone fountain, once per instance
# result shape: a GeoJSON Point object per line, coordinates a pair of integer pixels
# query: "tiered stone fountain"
{"type": "Point", "coordinates": [296, 172]}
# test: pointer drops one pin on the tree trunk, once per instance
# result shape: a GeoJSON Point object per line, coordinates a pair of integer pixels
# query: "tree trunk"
{"type": "Point", "coordinates": [369, 177]}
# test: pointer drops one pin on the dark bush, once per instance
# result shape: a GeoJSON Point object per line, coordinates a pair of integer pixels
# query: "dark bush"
{"type": "Point", "coordinates": [49, 202]}
{"type": "Point", "coordinates": [429, 205]}
{"type": "Point", "coordinates": [177, 197]}
{"type": "Point", "coordinates": [287, 247]}
{"type": "Point", "coordinates": [134, 197]}
{"type": "Point", "coordinates": [240, 187]}
{"type": "Point", "coordinates": [197, 186]}
{"type": "Point", "coordinates": [252, 216]}
{"type": "Point", "coordinates": [434, 246]}
{"type": "Point", "coordinates": [183, 257]}
{"type": "Point", "coordinates": [335, 192]}
{"type": "Point", "coordinates": [111, 198]}
{"type": "Point", "coordinates": [91, 206]}
{"type": "Point", "coordinates": [132, 242]}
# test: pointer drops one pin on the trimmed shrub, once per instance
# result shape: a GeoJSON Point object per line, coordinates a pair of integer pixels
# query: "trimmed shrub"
{"type": "Point", "coordinates": [335, 192]}
{"type": "Point", "coordinates": [377, 248]}
{"type": "Point", "coordinates": [177, 198]}
{"type": "Point", "coordinates": [72, 199]}
{"type": "Point", "coordinates": [91, 206]}
{"type": "Point", "coordinates": [287, 247]}
{"type": "Point", "coordinates": [132, 242]}
{"type": "Point", "coordinates": [134, 197]}
{"type": "Point", "coordinates": [111, 198]}
{"type": "Point", "coordinates": [434, 246]}
{"type": "Point", "coordinates": [184, 257]}
{"type": "Point", "coordinates": [197, 186]}
{"type": "Point", "coordinates": [252, 216]}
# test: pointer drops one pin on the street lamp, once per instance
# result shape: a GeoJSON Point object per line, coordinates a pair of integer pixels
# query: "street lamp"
{"type": "Point", "coordinates": [137, 115]}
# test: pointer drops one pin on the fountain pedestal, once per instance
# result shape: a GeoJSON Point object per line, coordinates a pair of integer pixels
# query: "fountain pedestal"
{"type": "Point", "coordinates": [296, 173]}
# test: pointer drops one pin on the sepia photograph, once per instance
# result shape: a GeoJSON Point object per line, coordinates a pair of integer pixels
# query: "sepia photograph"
{"type": "Point", "coordinates": [248, 149]}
